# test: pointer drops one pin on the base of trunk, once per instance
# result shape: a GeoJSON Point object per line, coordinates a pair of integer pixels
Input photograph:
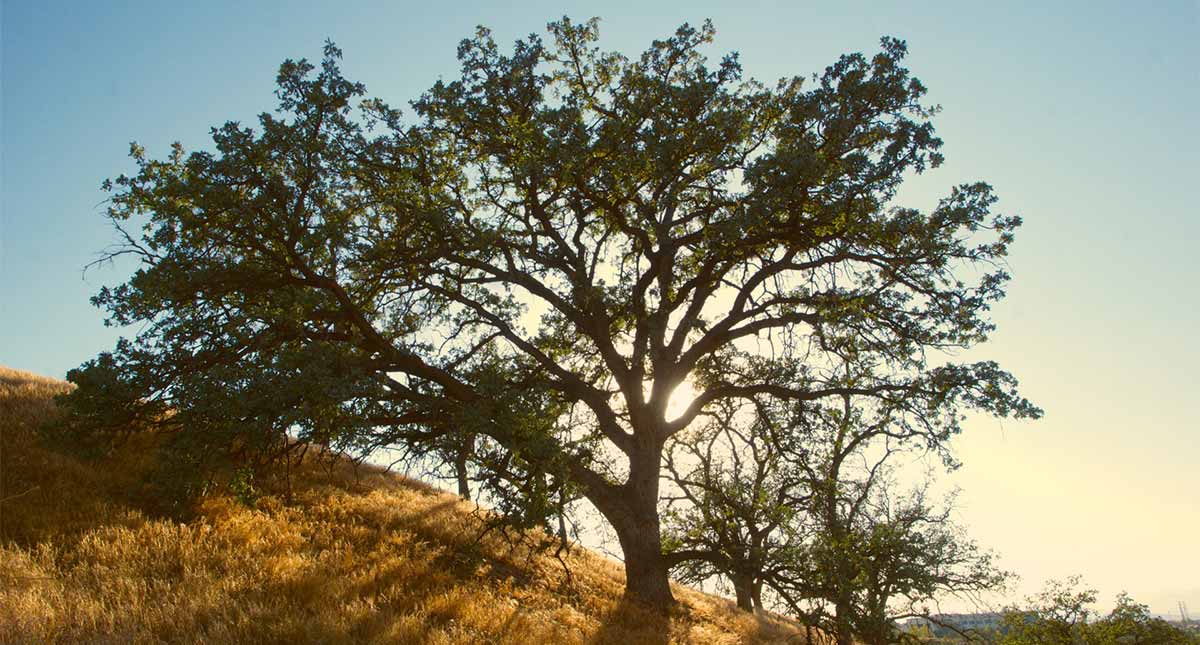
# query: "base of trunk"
{"type": "Point", "coordinates": [647, 579]}
{"type": "Point", "coordinates": [651, 588]}
{"type": "Point", "coordinates": [745, 599]}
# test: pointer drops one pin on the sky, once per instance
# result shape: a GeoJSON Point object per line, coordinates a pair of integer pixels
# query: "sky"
{"type": "Point", "coordinates": [1081, 115]}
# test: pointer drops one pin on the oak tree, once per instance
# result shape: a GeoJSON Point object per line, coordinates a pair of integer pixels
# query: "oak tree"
{"type": "Point", "coordinates": [561, 225]}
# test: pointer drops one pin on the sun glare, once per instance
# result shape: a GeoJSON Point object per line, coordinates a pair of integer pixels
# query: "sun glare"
{"type": "Point", "coordinates": [681, 397]}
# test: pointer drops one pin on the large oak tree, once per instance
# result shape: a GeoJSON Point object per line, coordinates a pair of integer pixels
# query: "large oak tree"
{"type": "Point", "coordinates": [540, 254]}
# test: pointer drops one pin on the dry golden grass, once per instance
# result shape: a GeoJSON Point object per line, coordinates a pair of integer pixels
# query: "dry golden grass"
{"type": "Point", "coordinates": [356, 555]}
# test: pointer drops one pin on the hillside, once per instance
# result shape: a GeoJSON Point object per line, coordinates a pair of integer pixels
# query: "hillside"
{"type": "Point", "coordinates": [356, 555]}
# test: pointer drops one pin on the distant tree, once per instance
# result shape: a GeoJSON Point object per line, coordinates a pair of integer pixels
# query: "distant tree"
{"type": "Point", "coordinates": [1058, 614]}
{"type": "Point", "coordinates": [1130, 623]}
{"type": "Point", "coordinates": [1061, 614]}
{"type": "Point", "coordinates": [601, 228]}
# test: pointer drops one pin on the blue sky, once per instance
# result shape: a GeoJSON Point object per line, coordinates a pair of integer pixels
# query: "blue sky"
{"type": "Point", "coordinates": [1082, 115]}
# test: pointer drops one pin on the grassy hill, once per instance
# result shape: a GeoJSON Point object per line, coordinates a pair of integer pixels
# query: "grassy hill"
{"type": "Point", "coordinates": [355, 555]}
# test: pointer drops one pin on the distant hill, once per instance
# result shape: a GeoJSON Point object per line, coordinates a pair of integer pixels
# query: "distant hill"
{"type": "Point", "coordinates": [357, 555]}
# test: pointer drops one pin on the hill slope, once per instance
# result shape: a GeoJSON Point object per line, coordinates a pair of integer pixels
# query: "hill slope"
{"type": "Point", "coordinates": [356, 555]}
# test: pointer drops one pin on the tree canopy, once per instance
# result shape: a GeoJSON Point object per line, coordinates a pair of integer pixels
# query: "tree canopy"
{"type": "Point", "coordinates": [539, 254]}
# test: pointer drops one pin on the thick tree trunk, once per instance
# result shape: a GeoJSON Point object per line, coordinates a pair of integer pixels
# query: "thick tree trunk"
{"type": "Point", "coordinates": [743, 589]}
{"type": "Point", "coordinates": [632, 510]}
{"type": "Point", "coordinates": [637, 526]}
{"type": "Point", "coordinates": [646, 570]}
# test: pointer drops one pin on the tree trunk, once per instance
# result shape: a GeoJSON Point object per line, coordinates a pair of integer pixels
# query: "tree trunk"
{"type": "Point", "coordinates": [743, 590]}
{"type": "Point", "coordinates": [843, 601]}
{"type": "Point", "coordinates": [637, 526]}
{"type": "Point", "coordinates": [632, 510]}
{"type": "Point", "coordinates": [464, 484]}
{"type": "Point", "coordinates": [841, 619]}
{"type": "Point", "coordinates": [646, 570]}
{"type": "Point", "coordinates": [460, 466]}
